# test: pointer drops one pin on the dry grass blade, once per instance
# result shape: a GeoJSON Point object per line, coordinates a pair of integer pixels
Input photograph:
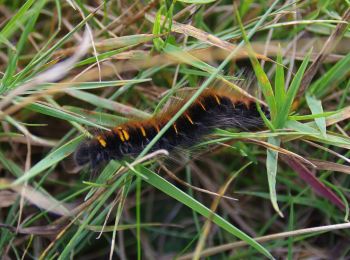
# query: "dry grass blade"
{"type": "Point", "coordinates": [330, 166]}
{"type": "Point", "coordinates": [34, 230]}
{"type": "Point", "coordinates": [281, 150]}
{"type": "Point", "coordinates": [343, 115]}
{"type": "Point", "coordinates": [282, 235]}
{"type": "Point", "coordinates": [34, 140]}
{"type": "Point", "coordinates": [39, 199]}
{"type": "Point", "coordinates": [161, 152]}
{"type": "Point", "coordinates": [111, 43]}
{"type": "Point", "coordinates": [7, 198]}
{"type": "Point", "coordinates": [205, 37]}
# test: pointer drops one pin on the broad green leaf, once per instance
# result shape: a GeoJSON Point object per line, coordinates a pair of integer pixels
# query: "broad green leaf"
{"type": "Point", "coordinates": [315, 106]}
{"type": "Point", "coordinates": [245, 6]}
{"type": "Point", "coordinates": [271, 168]}
{"type": "Point", "coordinates": [310, 129]}
{"type": "Point", "coordinates": [10, 166]}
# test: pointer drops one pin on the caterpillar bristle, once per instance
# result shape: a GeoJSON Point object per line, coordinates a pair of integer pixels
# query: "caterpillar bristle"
{"type": "Point", "coordinates": [214, 108]}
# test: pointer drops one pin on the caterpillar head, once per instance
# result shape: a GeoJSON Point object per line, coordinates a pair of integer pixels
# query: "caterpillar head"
{"type": "Point", "coordinates": [89, 152]}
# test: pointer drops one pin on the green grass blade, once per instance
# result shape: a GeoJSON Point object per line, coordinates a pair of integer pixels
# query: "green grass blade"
{"type": "Point", "coordinates": [263, 80]}
{"type": "Point", "coordinates": [291, 93]}
{"type": "Point", "coordinates": [122, 44]}
{"type": "Point", "coordinates": [94, 209]}
{"type": "Point", "coordinates": [12, 66]}
{"type": "Point", "coordinates": [331, 77]}
{"type": "Point", "coordinates": [185, 57]}
{"type": "Point", "coordinates": [19, 18]}
{"type": "Point", "coordinates": [107, 104]}
{"type": "Point", "coordinates": [46, 55]}
{"type": "Point", "coordinates": [51, 159]}
{"type": "Point", "coordinates": [158, 42]}
{"type": "Point", "coordinates": [264, 83]}
{"type": "Point", "coordinates": [92, 85]}
{"type": "Point", "coordinates": [10, 70]}
{"type": "Point", "coordinates": [314, 116]}
{"type": "Point", "coordinates": [100, 118]}
{"type": "Point", "coordinates": [61, 114]}
{"type": "Point", "coordinates": [280, 91]}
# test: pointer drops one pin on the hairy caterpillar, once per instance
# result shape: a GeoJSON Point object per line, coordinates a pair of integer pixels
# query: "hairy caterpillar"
{"type": "Point", "coordinates": [214, 108]}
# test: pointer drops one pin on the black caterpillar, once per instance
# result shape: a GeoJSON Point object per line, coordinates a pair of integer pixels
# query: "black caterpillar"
{"type": "Point", "coordinates": [212, 109]}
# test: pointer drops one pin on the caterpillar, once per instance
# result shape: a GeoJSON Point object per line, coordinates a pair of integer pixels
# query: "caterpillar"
{"type": "Point", "coordinates": [214, 108]}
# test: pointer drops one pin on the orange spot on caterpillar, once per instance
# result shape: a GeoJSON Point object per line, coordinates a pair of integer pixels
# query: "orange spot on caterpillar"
{"type": "Point", "coordinates": [143, 131]}
{"type": "Point", "coordinates": [126, 135]}
{"type": "Point", "coordinates": [201, 104]}
{"type": "Point", "coordinates": [102, 141]}
{"type": "Point", "coordinates": [247, 103]}
{"type": "Point", "coordinates": [189, 118]}
{"type": "Point", "coordinates": [175, 128]}
{"type": "Point", "coordinates": [217, 99]}
{"type": "Point", "coordinates": [118, 130]}
{"type": "Point", "coordinates": [157, 128]}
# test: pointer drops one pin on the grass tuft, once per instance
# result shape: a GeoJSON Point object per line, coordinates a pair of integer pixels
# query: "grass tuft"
{"type": "Point", "coordinates": [70, 69]}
